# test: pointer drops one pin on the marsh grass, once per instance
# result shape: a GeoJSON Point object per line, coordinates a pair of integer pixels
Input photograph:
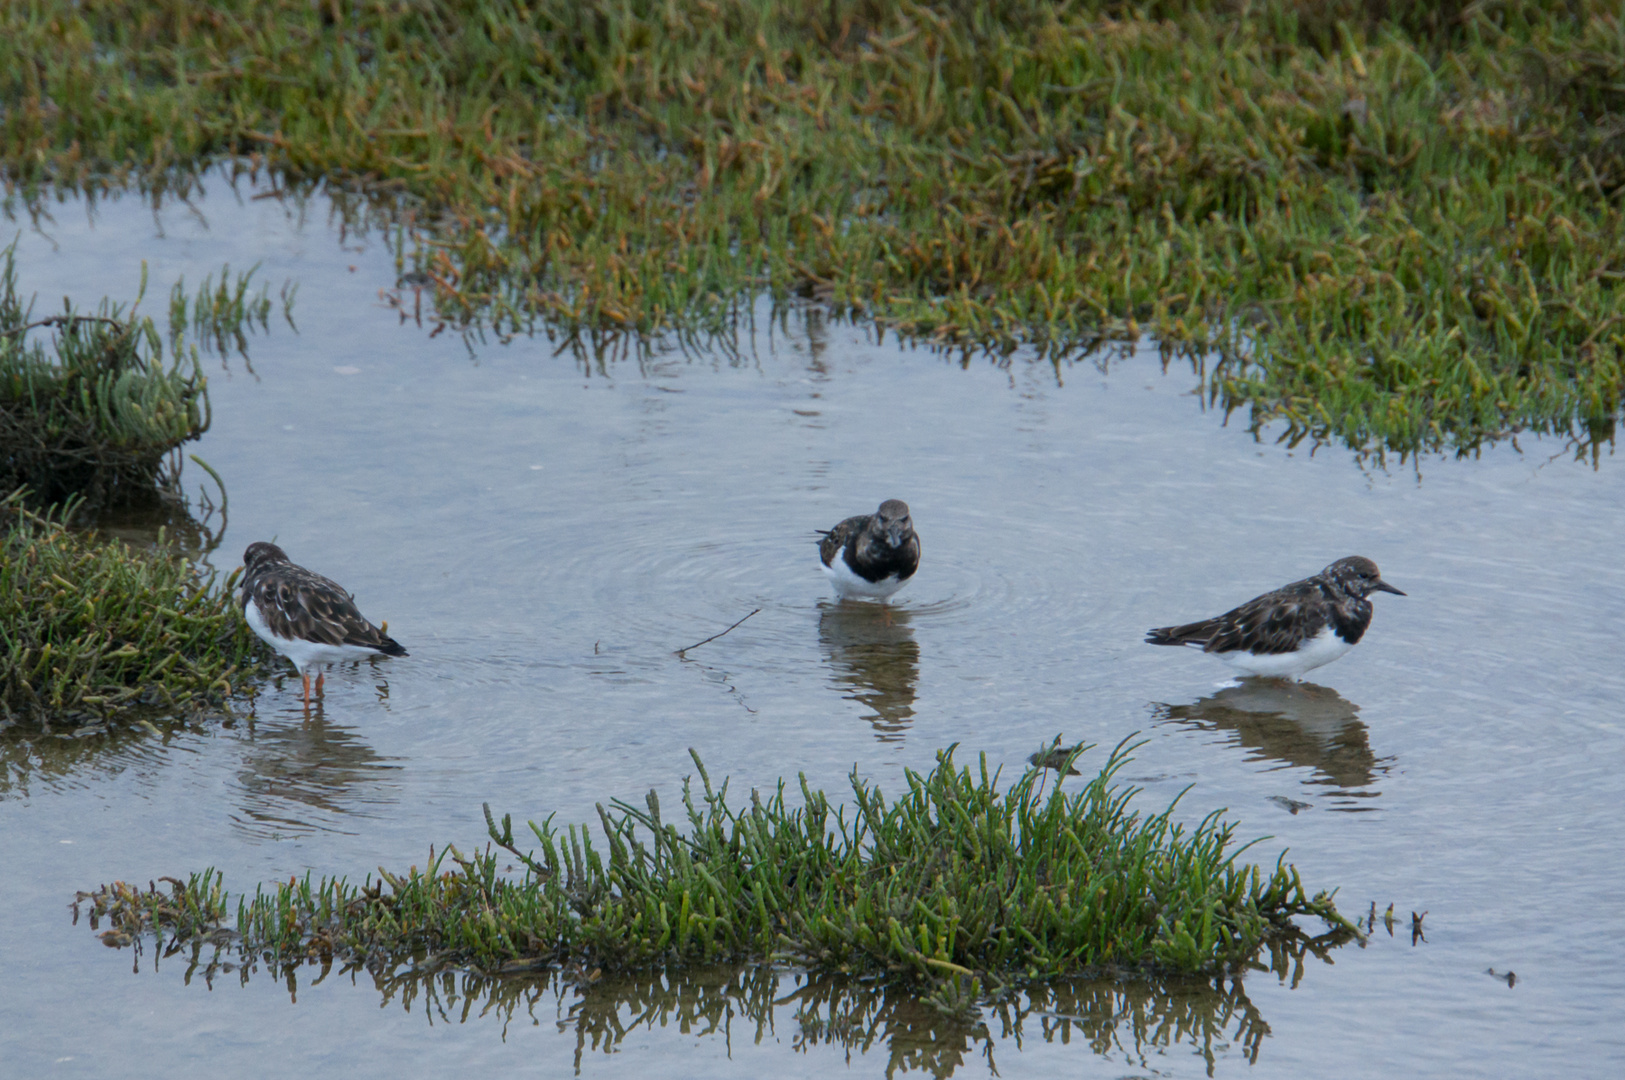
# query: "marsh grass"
{"type": "Point", "coordinates": [98, 418]}
{"type": "Point", "coordinates": [1394, 224]}
{"type": "Point", "coordinates": [95, 418]}
{"type": "Point", "coordinates": [953, 885]}
{"type": "Point", "coordinates": [93, 631]}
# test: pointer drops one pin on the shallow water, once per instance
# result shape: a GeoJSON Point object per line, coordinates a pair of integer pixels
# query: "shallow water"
{"type": "Point", "coordinates": [543, 531]}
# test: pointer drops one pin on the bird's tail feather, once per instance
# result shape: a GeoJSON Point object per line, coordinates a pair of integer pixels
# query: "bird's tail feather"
{"type": "Point", "coordinates": [1189, 634]}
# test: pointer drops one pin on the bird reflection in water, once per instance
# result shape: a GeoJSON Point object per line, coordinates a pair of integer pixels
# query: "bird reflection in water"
{"type": "Point", "coordinates": [871, 649]}
{"type": "Point", "coordinates": [1297, 724]}
{"type": "Point", "coordinates": [304, 775]}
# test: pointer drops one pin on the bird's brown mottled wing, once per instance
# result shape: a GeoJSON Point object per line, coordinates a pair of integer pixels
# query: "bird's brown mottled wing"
{"type": "Point", "coordinates": [836, 538]}
{"type": "Point", "coordinates": [1277, 622]}
{"type": "Point", "coordinates": [299, 604]}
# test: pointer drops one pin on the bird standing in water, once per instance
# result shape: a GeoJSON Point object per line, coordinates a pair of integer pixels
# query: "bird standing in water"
{"type": "Point", "coordinates": [871, 556]}
{"type": "Point", "coordinates": [1292, 630]}
{"type": "Point", "coordinates": [305, 617]}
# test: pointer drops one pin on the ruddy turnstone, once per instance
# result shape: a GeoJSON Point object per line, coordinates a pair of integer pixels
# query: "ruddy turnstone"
{"type": "Point", "coordinates": [1292, 630]}
{"type": "Point", "coordinates": [304, 616]}
{"type": "Point", "coordinates": [871, 555]}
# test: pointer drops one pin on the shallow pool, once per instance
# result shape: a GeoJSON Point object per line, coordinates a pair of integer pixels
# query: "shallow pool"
{"type": "Point", "coordinates": [543, 529]}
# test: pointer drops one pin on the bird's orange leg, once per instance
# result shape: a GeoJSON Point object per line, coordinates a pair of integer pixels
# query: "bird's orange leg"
{"type": "Point", "coordinates": [321, 677]}
{"type": "Point", "coordinates": [306, 676]}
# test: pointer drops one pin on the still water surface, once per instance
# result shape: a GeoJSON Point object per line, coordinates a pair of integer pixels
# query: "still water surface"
{"type": "Point", "coordinates": [542, 530]}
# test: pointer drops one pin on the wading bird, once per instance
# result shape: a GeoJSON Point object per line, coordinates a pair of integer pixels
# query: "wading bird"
{"type": "Point", "coordinates": [304, 616]}
{"type": "Point", "coordinates": [1292, 630]}
{"type": "Point", "coordinates": [871, 555]}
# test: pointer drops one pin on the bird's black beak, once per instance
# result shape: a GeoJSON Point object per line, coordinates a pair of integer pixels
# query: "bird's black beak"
{"type": "Point", "coordinates": [1383, 586]}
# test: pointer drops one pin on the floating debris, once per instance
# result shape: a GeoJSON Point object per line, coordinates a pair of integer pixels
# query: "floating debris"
{"type": "Point", "coordinates": [1058, 757]}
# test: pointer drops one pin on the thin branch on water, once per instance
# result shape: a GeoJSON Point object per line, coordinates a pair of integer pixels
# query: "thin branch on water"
{"type": "Point", "coordinates": [61, 320]}
{"type": "Point", "coordinates": [713, 637]}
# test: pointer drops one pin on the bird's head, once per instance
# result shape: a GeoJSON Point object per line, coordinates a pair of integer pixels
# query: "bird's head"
{"type": "Point", "coordinates": [894, 523]}
{"type": "Point", "coordinates": [1359, 576]}
{"type": "Point", "coordinates": [261, 554]}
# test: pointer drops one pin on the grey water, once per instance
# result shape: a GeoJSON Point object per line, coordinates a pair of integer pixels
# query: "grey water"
{"type": "Point", "coordinates": [544, 528]}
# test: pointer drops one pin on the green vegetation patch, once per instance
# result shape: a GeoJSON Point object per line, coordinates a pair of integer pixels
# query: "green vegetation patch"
{"type": "Point", "coordinates": [954, 884]}
{"type": "Point", "coordinates": [94, 422]}
{"type": "Point", "coordinates": [1394, 224]}
{"type": "Point", "coordinates": [92, 631]}
{"type": "Point", "coordinates": [97, 419]}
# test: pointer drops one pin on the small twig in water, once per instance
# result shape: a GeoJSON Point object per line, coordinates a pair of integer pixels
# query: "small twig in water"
{"type": "Point", "coordinates": [713, 637]}
{"type": "Point", "coordinates": [60, 320]}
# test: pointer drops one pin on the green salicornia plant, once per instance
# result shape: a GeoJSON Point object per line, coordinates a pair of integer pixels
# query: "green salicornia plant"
{"type": "Point", "coordinates": [96, 421]}
{"type": "Point", "coordinates": [951, 884]}
{"type": "Point", "coordinates": [93, 630]}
